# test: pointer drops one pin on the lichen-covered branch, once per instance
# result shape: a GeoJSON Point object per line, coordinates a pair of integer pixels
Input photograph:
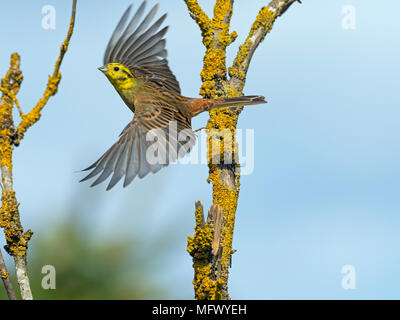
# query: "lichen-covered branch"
{"type": "Point", "coordinates": [9, 218]}
{"type": "Point", "coordinates": [211, 245]}
{"type": "Point", "coordinates": [52, 85]}
{"type": "Point", "coordinates": [13, 98]}
{"type": "Point", "coordinates": [205, 248]}
{"type": "Point", "coordinates": [10, 136]}
{"type": "Point", "coordinates": [17, 239]}
{"type": "Point", "coordinates": [198, 15]}
{"type": "Point", "coordinates": [261, 26]}
{"type": "Point", "coordinates": [216, 37]}
{"type": "Point", "coordinates": [280, 6]}
{"type": "Point", "coordinates": [213, 282]}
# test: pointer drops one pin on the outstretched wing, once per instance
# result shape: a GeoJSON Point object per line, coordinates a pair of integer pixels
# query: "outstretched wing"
{"type": "Point", "coordinates": [140, 45]}
{"type": "Point", "coordinates": [151, 141]}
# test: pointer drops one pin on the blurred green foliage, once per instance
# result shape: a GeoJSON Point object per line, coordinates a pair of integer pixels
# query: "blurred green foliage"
{"type": "Point", "coordinates": [95, 264]}
{"type": "Point", "coordinates": [87, 268]}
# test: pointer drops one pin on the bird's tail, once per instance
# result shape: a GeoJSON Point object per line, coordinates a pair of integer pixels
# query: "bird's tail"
{"type": "Point", "coordinates": [238, 101]}
{"type": "Point", "coordinates": [201, 105]}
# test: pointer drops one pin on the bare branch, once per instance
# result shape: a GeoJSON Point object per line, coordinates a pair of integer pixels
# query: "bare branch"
{"type": "Point", "coordinates": [5, 276]}
{"type": "Point", "coordinates": [21, 270]}
{"type": "Point", "coordinates": [281, 6]}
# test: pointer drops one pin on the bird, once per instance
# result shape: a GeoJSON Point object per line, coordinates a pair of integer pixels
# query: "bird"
{"type": "Point", "coordinates": [135, 63]}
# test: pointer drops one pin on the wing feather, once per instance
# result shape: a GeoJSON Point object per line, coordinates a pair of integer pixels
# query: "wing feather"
{"type": "Point", "coordinates": [133, 164]}
{"type": "Point", "coordinates": [119, 167]}
{"type": "Point", "coordinates": [129, 156]}
{"type": "Point", "coordinates": [108, 165]}
{"type": "Point", "coordinates": [141, 47]}
{"type": "Point", "coordinates": [112, 44]}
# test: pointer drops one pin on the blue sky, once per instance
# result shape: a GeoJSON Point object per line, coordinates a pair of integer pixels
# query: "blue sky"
{"type": "Point", "coordinates": [325, 189]}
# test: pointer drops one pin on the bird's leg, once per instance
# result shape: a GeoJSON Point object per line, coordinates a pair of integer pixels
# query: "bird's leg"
{"type": "Point", "coordinates": [199, 129]}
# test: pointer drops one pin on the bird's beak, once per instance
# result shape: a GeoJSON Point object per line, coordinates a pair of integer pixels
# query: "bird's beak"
{"type": "Point", "coordinates": [103, 69]}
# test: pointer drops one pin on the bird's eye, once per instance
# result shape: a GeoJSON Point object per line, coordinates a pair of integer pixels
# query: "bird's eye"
{"type": "Point", "coordinates": [116, 69]}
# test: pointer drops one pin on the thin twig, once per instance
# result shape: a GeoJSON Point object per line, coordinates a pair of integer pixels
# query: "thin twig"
{"type": "Point", "coordinates": [5, 276]}
{"type": "Point", "coordinates": [52, 85]}
{"type": "Point", "coordinates": [261, 26]}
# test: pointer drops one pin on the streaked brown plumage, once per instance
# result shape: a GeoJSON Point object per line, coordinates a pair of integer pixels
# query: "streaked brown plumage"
{"type": "Point", "coordinates": [135, 63]}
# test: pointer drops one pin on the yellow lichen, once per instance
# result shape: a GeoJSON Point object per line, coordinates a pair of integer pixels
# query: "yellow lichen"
{"type": "Point", "coordinates": [198, 14]}
{"type": "Point", "coordinates": [262, 24]}
{"type": "Point", "coordinates": [17, 240]}
{"type": "Point", "coordinates": [199, 247]}
{"type": "Point", "coordinates": [216, 38]}
{"type": "Point", "coordinates": [5, 149]}
{"type": "Point", "coordinates": [34, 115]}
{"type": "Point", "coordinates": [10, 85]}
{"type": "Point", "coordinates": [52, 84]}
{"type": "Point", "coordinates": [226, 198]}
{"type": "Point", "coordinates": [13, 98]}
{"type": "Point", "coordinates": [204, 287]}
{"type": "Point", "coordinates": [4, 274]}
{"type": "Point", "coordinates": [264, 20]}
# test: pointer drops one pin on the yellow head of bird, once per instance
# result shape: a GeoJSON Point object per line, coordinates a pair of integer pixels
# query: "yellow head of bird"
{"type": "Point", "coordinates": [119, 75]}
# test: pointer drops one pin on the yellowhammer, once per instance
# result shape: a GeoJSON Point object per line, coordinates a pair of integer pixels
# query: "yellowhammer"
{"type": "Point", "coordinates": [135, 63]}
